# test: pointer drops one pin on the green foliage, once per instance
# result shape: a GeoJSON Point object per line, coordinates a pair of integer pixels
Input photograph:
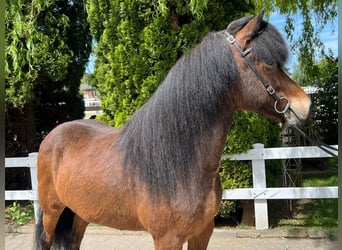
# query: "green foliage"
{"type": "Point", "coordinates": [43, 40]}
{"type": "Point", "coordinates": [316, 213]}
{"type": "Point", "coordinates": [248, 128]}
{"type": "Point", "coordinates": [20, 215]}
{"type": "Point", "coordinates": [47, 46]}
{"type": "Point", "coordinates": [139, 41]}
{"type": "Point", "coordinates": [322, 180]}
{"type": "Point", "coordinates": [321, 213]}
{"type": "Point", "coordinates": [316, 15]}
{"type": "Point", "coordinates": [325, 102]}
{"type": "Point", "coordinates": [31, 48]}
{"type": "Point", "coordinates": [226, 208]}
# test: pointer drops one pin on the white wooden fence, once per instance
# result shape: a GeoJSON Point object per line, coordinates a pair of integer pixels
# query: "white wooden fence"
{"type": "Point", "coordinates": [31, 195]}
{"type": "Point", "coordinates": [259, 193]}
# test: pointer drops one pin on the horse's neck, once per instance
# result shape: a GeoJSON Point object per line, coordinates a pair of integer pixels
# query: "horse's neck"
{"type": "Point", "coordinates": [213, 142]}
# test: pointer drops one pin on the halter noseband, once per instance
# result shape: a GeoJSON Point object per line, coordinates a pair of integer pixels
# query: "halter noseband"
{"type": "Point", "coordinates": [271, 91]}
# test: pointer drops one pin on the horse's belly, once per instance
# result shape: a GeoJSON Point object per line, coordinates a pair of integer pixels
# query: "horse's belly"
{"type": "Point", "coordinates": [127, 222]}
{"type": "Point", "coordinates": [109, 211]}
{"type": "Point", "coordinates": [104, 199]}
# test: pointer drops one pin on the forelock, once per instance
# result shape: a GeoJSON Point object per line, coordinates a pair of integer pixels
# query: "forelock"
{"type": "Point", "coordinates": [267, 46]}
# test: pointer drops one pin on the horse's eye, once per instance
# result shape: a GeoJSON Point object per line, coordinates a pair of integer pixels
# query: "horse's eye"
{"type": "Point", "coordinates": [269, 64]}
{"type": "Point", "coordinates": [267, 61]}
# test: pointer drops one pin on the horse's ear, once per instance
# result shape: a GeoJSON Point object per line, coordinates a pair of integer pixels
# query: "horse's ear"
{"type": "Point", "coordinates": [252, 28]}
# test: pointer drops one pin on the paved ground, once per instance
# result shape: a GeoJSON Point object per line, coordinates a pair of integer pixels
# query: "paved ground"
{"type": "Point", "coordinates": [110, 239]}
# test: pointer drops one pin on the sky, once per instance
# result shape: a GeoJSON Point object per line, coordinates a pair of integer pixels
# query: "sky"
{"type": "Point", "coordinates": [329, 37]}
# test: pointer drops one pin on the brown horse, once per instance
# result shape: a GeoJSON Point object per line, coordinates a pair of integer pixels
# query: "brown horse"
{"type": "Point", "coordinates": [159, 172]}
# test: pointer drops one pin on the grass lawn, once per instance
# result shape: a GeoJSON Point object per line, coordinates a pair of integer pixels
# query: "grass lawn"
{"type": "Point", "coordinates": [315, 213]}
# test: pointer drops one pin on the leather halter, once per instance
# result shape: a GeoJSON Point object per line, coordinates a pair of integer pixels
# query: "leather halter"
{"type": "Point", "coordinates": [268, 87]}
{"type": "Point", "coordinates": [271, 91]}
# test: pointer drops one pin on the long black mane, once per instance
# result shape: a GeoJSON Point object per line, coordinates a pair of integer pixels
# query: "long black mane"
{"type": "Point", "coordinates": [160, 139]}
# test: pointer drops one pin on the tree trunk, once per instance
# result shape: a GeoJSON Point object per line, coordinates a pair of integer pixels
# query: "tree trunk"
{"type": "Point", "coordinates": [248, 216]}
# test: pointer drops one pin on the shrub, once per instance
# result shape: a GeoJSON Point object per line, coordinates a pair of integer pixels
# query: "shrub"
{"type": "Point", "coordinates": [247, 129]}
{"type": "Point", "coordinates": [20, 215]}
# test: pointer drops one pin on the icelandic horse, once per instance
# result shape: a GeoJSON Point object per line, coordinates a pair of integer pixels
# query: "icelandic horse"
{"type": "Point", "coordinates": [160, 171]}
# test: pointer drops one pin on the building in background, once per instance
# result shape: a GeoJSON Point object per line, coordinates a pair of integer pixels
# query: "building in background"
{"type": "Point", "coordinates": [92, 102]}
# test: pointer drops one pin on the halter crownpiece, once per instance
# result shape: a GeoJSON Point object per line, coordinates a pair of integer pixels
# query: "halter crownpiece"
{"type": "Point", "coordinates": [231, 39]}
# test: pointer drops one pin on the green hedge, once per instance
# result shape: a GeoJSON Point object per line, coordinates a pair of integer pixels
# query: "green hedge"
{"type": "Point", "coordinates": [248, 128]}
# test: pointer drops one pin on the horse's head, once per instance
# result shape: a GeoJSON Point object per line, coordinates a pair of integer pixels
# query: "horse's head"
{"type": "Point", "coordinates": [265, 88]}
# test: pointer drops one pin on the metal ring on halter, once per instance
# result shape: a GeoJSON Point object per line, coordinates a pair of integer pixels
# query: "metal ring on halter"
{"type": "Point", "coordinates": [286, 106]}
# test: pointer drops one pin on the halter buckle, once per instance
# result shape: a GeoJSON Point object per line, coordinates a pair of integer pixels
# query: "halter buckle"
{"type": "Point", "coordinates": [231, 38]}
{"type": "Point", "coordinates": [285, 108]}
{"type": "Point", "coordinates": [270, 90]}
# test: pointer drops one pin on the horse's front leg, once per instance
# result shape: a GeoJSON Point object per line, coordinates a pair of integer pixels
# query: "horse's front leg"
{"type": "Point", "coordinates": [200, 241]}
{"type": "Point", "coordinates": [169, 241]}
{"type": "Point", "coordinates": [78, 229]}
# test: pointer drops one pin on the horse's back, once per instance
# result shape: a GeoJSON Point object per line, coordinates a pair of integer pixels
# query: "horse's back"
{"type": "Point", "coordinates": [73, 133]}
{"type": "Point", "coordinates": [70, 142]}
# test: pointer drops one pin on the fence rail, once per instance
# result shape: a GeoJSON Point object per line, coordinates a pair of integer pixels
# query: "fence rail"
{"type": "Point", "coordinates": [31, 195]}
{"type": "Point", "coordinates": [259, 193]}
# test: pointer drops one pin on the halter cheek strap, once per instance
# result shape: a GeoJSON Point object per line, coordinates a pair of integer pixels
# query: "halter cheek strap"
{"type": "Point", "coordinates": [268, 87]}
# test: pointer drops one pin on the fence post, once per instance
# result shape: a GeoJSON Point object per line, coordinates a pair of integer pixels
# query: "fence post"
{"type": "Point", "coordinates": [33, 171]}
{"type": "Point", "coordinates": [259, 186]}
